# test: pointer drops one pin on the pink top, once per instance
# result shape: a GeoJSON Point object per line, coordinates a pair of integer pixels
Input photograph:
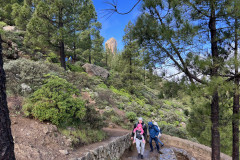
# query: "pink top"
{"type": "Point", "coordinates": [139, 127]}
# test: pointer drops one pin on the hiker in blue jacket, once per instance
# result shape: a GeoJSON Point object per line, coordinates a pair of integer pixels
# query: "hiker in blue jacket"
{"type": "Point", "coordinates": [153, 135]}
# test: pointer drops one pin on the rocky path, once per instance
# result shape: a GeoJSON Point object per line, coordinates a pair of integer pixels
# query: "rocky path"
{"type": "Point", "coordinates": [168, 153]}
{"type": "Point", "coordinates": [132, 154]}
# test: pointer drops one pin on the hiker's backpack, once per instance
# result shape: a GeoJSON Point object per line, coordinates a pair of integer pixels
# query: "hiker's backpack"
{"type": "Point", "coordinates": [138, 135]}
{"type": "Point", "coordinates": [160, 133]}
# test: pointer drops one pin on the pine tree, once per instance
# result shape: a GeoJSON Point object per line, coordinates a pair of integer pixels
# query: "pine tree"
{"type": "Point", "coordinates": [232, 35]}
{"type": "Point", "coordinates": [97, 43]}
{"type": "Point", "coordinates": [21, 14]}
{"type": "Point", "coordinates": [172, 35]}
{"type": "Point", "coordinates": [49, 25]}
{"type": "Point", "coordinates": [6, 10]}
{"type": "Point", "coordinates": [82, 16]}
{"type": "Point", "coordinates": [131, 56]}
{"type": "Point", "coordinates": [91, 44]}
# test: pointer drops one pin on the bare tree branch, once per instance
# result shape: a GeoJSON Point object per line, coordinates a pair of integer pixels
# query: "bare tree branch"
{"type": "Point", "coordinates": [114, 6]}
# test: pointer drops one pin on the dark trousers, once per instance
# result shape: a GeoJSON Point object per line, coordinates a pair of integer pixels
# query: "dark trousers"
{"type": "Point", "coordinates": [156, 141]}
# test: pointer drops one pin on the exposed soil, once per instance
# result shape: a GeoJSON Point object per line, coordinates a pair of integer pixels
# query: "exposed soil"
{"type": "Point", "coordinates": [42, 141]}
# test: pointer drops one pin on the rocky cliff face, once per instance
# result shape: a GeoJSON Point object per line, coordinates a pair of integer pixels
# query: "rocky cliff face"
{"type": "Point", "coordinates": [111, 45]}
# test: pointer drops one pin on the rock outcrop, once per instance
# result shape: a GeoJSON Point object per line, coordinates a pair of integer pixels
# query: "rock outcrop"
{"type": "Point", "coordinates": [111, 45]}
{"type": "Point", "coordinates": [10, 28]}
{"type": "Point", "coordinates": [94, 70]}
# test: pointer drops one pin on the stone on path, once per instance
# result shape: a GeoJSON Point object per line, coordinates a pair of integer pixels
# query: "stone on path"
{"type": "Point", "coordinates": [65, 152]}
{"type": "Point", "coordinates": [168, 154]}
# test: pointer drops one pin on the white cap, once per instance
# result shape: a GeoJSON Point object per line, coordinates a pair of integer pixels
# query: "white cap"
{"type": "Point", "coordinates": [140, 118]}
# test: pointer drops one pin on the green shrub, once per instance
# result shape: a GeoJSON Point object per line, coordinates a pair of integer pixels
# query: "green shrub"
{"type": "Point", "coordinates": [104, 97]}
{"type": "Point", "coordinates": [169, 103]}
{"type": "Point", "coordinates": [131, 116]}
{"type": "Point", "coordinates": [24, 71]}
{"type": "Point", "coordinates": [108, 112]}
{"type": "Point", "coordinates": [52, 57]}
{"type": "Point", "coordinates": [160, 95]}
{"type": "Point", "coordinates": [56, 101]}
{"type": "Point", "coordinates": [93, 119]}
{"type": "Point", "coordinates": [75, 68]}
{"type": "Point", "coordinates": [176, 123]}
{"type": "Point", "coordinates": [141, 102]}
{"type": "Point", "coordinates": [174, 131]}
{"type": "Point", "coordinates": [2, 24]}
{"type": "Point", "coordinates": [121, 92]}
{"type": "Point", "coordinates": [116, 119]}
{"type": "Point", "coordinates": [102, 85]}
{"type": "Point", "coordinates": [148, 113]}
{"type": "Point", "coordinates": [83, 136]}
{"type": "Point", "coordinates": [163, 123]}
{"type": "Point", "coordinates": [170, 116]}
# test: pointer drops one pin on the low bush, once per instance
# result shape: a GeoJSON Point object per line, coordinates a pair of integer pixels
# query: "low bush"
{"type": "Point", "coordinates": [24, 71]}
{"type": "Point", "coordinates": [120, 92]}
{"type": "Point", "coordinates": [93, 119]}
{"type": "Point", "coordinates": [75, 68]}
{"type": "Point", "coordinates": [56, 101]}
{"type": "Point", "coordinates": [116, 119]}
{"type": "Point", "coordinates": [108, 112]}
{"type": "Point", "coordinates": [102, 85]}
{"type": "Point", "coordinates": [52, 57]}
{"type": "Point", "coordinates": [2, 24]}
{"type": "Point", "coordinates": [174, 131]}
{"type": "Point", "coordinates": [104, 97]}
{"type": "Point", "coordinates": [83, 136]}
{"type": "Point", "coordinates": [131, 116]}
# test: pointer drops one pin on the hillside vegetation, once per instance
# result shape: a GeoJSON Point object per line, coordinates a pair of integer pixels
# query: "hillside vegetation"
{"type": "Point", "coordinates": [49, 42]}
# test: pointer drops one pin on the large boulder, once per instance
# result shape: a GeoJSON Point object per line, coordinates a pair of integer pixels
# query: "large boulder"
{"type": "Point", "coordinates": [94, 70]}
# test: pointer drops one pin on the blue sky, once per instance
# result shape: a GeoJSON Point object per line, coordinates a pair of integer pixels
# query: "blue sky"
{"type": "Point", "coordinates": [114, 25]}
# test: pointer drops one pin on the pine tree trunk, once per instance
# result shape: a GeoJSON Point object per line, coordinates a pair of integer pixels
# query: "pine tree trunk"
{"type": "Point", "coordinates": [235, 124]}
{"type": "Point", "coordinates": [90, 58]}
{"type": "Point", "coordinates": [215, 98]}
{"type": "Point", "coordinates": [74, 52]}
{"type": "Point", "coordinates": [6, 139]}
{"type": "Point", "coordinates": [130, 60]}
{"type": "Point", "coordinates": [106, 58]}
{"type": "Point", "coordinates": [235, 120]}
{"type": "Point", "coordinates": [215, 127]}
{"type": "Point", "coordinates": [62, 53]}
{"type": "Point", "coordinates": [144, 75]}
